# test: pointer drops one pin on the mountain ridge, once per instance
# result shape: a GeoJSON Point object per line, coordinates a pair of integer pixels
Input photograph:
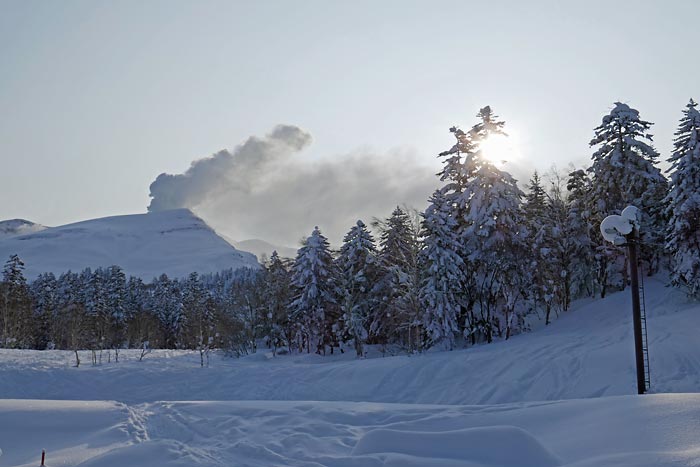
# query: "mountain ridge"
{"type": "Point", "coordinates": [174, 242]}
{"type": "Point", "coordinates": [16, 227]}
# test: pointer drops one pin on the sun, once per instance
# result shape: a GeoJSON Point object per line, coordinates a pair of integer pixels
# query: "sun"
{"type": "Point", "coordinates": [500, 149]}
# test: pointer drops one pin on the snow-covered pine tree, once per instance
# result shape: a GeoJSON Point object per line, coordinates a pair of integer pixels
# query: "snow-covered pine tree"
{"type": "Point", "coordinates": [142, 325]}
{"type": "Point", "coordinates": [315, 309]}
{"type": "Point", "coordinates": [357, 264]}
{"type": "Point", "coordinates": [98, 311]}
{"type": "Point", "coordinates": [167, 307]}
{"type": "Point", "coordinates": [582, 269]}
{"type": "Point", "coordinates": [277, 298]}
{"type": "Point", "coordinates": [443, 272]}
{"type": "Point", "coordinates": [198, 318]}
{"type": "Point", "coordinates": [492, 234]}
{"type": "Point", "coordinates": [558, 250]}
{"type": "Point", "coordinates": [539, 288]}
{"type": "Point", "coordinates": [115, 289]}
{"type": "Point", "coordinates": [44, 291]}
{"type": "Point", "coordinates": [683, 238]}
{"type": "Point", "coordinates": [245, 312]}
{"type": "Point", "coordinates": [623, 173]}
{"type": "Point", "coordinates": [72, 326]}
{"type": "Point", "coordinates": [535, 201]}
{"type": "Point", "coordinates": [15, 306]}
{"type": "Point", "coordinates": [397, 316]}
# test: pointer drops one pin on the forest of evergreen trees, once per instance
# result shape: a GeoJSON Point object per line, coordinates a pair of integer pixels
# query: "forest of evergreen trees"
{"type": "Point", "coordinates": [471, 268]}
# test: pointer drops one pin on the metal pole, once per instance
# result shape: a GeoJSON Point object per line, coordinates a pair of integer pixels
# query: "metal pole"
{"type": "Point", "coordinates": [636, 312]}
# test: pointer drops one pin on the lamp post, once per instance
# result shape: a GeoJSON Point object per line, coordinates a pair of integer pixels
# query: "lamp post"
{"type": "Point", "coordinates": [623, 230]}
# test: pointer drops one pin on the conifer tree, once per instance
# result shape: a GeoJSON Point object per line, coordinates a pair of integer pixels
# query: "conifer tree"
{"type": "Point", "coordinates": [15, 306]}
{"type": "Point", "coordinates": [44, 292]}
{"type": "Point", "coordinates": [486, 203]}
{"type": "Point", "coordinates": [397, 317]}
{"type": "Point", "coordinates": [115, 316]}
{"type": "Point", "coordinates": [98, 312]}
{"type": "Point", "coordinates": [535, 201]}
{"type": "Point", "coordinates": [540, 230]}
{"type": "Point", "coordinates": [683, 238]}
{"type": "Point", "coordinates": [142, 325]}
{"type": "Point", "coordinates": [582, 269]}
{"type": "Point", "coordinates": [623, 173]}
{"type": "Point", "coordinates": [443, 270]}
{"type": "Point", "coordinates": [167, 306]}
{"type": "Point", "coordinates": [198, 317]}
{"type": "Point", "coordinates": [73, 324]}
{"type": "Point", "coordinates": [493, 233]}
{"type": "Point", "coordinates": [315, 307]}
{"type": "Point", "coordinates": [357, 264]}
{"type": "Point", "coordinates": [277, 299]}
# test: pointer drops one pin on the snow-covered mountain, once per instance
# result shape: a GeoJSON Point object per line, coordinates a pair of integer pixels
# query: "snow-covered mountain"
{"type": "Point", "coordinates": [146, 245]}
{"type": "Point", "coordinates": [15, 227]}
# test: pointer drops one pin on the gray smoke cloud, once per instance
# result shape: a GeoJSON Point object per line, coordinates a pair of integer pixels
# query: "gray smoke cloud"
{"type": "Point", "coordinates": [226, 171]}
{"type": "Point", "coordinates": [261, 190]}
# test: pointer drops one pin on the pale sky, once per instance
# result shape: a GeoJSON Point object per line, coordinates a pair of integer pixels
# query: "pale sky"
{"type": "Point", "coordinates": [98, 98]}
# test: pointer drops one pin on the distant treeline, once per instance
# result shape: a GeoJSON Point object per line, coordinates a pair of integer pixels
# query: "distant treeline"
{"type": "Point", "coordinates": [473, 267]}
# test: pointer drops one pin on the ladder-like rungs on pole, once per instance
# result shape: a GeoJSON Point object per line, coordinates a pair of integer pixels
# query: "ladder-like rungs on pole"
{"type": "Point", "coordinates": [645, 339]}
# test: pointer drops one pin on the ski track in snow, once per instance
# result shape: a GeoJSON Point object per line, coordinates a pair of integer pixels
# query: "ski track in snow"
{"type": "Point", "coordinates": [624, 430]}
{"type": "Point", "coordinates": [560, 395]}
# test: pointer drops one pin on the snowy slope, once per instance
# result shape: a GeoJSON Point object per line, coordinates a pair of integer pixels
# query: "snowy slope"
{"type": "Point", "coordinates": [15, 227]}
{"type": "Point", "coordinates": [261, 247]}
{"type": "Point", "coordinates": [173, 242]}
{"type": "Point", "coordinates": [586, 353]}
{"type": "Point", "coordinates": [559, 396]}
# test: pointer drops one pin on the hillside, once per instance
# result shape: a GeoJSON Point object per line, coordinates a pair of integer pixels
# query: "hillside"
{"type": "Point", "coordinates": [586, 353]}
{"type": "Point", "coordinates": [562, 395]}
{"type": "Point", "coordinates": [146, 245]}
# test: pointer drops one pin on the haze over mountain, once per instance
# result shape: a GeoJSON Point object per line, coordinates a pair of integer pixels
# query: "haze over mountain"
{"type": "Point", "coordinates": [174, 242]}
{"type": "Point", "coordinates": [262, 248]}
{"type": "Point", "coordinates": [15, 227]}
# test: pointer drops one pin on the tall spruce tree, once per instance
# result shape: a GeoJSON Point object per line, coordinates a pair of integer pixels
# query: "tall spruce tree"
{"type": "Point", "coordinates": [540, 230]}
{"type": "Point", "coordinates": [73, 324]}
{"type": "Point", "coordinates": [397, 316]}
{"type": "Point", "coordinates": [44, 291]}
{"type": "Point", "coordinates": [141, 322]}
{"type": "Point", "coordinates": [315, 308]}
{"type": "Point", "coordinates": [493, 233]}
{"type": "Point", "coordinates": [276, 302]}
{"type": "Point", "coordinates": [623, 173]}
{"type": "Point", "coordinates": [580, 232]}
{"type": "Point", "coordinates": [357, 264]}
{"type": "Point", "coordinates": [15, 306]}
{"type": "Point", "coordinates": [198, 317]}
{"type": "Point", "coordinates": [115, 289]}
{"type": "Point", "coordinates": [167, 306]}
{"type": "Point", "coordinates": [443, 272]}
{"type": "Point", "coordinates": [486, 203]}
{"type": "Point", "coordinates": [683, 237]}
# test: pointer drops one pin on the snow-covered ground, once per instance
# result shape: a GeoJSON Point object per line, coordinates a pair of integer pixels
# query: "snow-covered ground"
{"type": "Point", "coordinates": [560, 395]}
{"type": "Point", "coordinates": [656, 430]}
{"type": "Point", "coordinates": [174, 242]}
